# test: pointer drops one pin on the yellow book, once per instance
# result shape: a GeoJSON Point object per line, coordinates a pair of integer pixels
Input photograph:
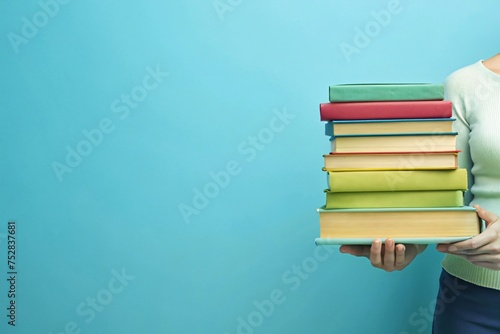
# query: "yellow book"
{"type": "Point", "coordinates": [422, 225]}
{"type": "Point", "coordinates": [413, 142]}
{"type": "Point", "coordinates": [391, 161]}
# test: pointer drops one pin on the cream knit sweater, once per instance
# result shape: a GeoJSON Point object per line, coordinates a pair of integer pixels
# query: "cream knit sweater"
{"type": "Point", "coordinates": [475, 93]}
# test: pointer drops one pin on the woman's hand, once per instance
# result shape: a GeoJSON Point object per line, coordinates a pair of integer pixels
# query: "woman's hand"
{"type": "Point", "coordinates": [387, 256]}
{"type": "Point", "coordinates": [482, 250]}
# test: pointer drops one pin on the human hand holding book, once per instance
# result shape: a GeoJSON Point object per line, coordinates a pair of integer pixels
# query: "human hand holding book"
{"type": "Point", "coordinates": [388, 256]}
{"type": "Point", "coordinates": [482, 250]}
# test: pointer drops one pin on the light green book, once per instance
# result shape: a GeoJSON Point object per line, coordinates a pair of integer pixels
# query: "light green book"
{"type": "Point", "coordinates": [402, 180]}
{"type": "Point", "coordinates": [394, 199]}
{"type": "Point", "coordinates": [412, 225]}
{"type": "Point", "coordinates": [386, 92]}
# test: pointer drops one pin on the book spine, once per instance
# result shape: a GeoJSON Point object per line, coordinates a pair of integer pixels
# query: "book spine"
{"type": "Point", "coordinates": [385, 110]}
{"type": "Point", "coordinates": [386, 92]}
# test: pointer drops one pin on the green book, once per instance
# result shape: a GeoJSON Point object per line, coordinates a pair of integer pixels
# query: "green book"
{"type": "Point", "coordinates": [394, 199]}
{"type": "Point", "coordinates": [386, 92]}
{"type": "Point", "coordinates": [398, 180]}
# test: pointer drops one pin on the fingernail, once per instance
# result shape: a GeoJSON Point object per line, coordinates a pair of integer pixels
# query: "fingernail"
{"type": "Point", "coordinates": [452, 249]}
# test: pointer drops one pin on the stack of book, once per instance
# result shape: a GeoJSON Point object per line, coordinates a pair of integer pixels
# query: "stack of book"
{"type": "Point", "coordinates": [393, 168]}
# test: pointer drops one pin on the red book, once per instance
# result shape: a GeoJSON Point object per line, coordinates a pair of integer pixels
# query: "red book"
{"type": "Point", "coordinates": [384, 110]}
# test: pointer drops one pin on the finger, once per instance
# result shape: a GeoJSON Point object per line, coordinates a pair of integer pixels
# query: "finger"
{"type": "Point", "coordinates": [488, 217]}
{"type": "Point", "coordinates": [489, 261]}
{"type": "Point", "coordinates": [356, 250]}
{"type": "Point", "coordinates": [473, 245]}
{"type": "Point", "coordinates": [389, 253]}
{"type": "Point", "coordinates": [492, 259]}
{"type": "Point", "coordinates": [442, 247]}
{"type": "Point", "coordinates": [400, 255]}
{"type": "Point", "coordinates": [489, 265]}
{"type": "Point", "coordinates": [376, 253]}
{"type": "Point", "coordinates": [482, 258]}
{"type": "Point", "coordinates": [476, 242]}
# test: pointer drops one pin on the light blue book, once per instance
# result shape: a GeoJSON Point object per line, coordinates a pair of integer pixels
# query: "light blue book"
{"type": "Point", "coordinates": [389, 126]}
{"type": "Point", "coordinates": [369, 241]}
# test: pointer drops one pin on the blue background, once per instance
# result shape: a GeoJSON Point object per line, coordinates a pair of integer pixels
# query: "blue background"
{"type": "Point", "coordinates": [241, 257]}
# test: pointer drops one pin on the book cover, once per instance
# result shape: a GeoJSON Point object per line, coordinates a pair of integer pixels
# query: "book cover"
{"type": "Point", "coordinates": [397, 223]}
{"type": "Point", "coordinates": [369, 241]}
{"type": "Point", "coordinates": [437, 160]}
{"type": "Point", "coordinates": [394, 199]}
{"type": "Point", "coordinates": [417, 142]}
{"type": "Point", "coordinates": [386, 92]}
{"type": "Point", "coordinates": [389, 126]}
{"type": "Point", "coordinates": [403, 180]}
{"type": "Point", "coordinates": [385, 110]}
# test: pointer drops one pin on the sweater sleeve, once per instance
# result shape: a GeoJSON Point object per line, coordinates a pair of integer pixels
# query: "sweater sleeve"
{"type": "Point", "coordinates": [454, 92]}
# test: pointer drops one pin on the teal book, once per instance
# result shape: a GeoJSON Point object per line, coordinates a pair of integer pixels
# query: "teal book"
{"type": "Point", "coordinates": [386, 92]}
{"type": "Point", "coordinates": [369, 241]}
{"type": "Point", "coordinates": [420, 225]}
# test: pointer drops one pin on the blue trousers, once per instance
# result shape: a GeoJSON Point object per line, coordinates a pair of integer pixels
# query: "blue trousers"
{"type": "Point", "coordinates": [465, 308]}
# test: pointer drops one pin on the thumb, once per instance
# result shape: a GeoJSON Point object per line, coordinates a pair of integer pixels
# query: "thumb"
{"type": "Point", "coordinates": [488, 217]}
